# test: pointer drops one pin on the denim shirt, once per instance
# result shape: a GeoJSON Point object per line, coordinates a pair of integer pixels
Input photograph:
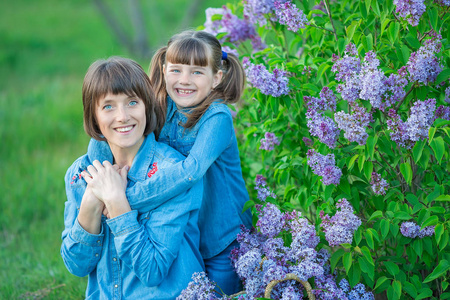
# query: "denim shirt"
{"type": "Point", "coordinates": [212, 153]}
{"type": "Point", "coordinates": [137, 255]}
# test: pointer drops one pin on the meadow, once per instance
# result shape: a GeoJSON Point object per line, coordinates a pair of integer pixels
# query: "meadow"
{"type": "Point", "coordinates": [45, 48]}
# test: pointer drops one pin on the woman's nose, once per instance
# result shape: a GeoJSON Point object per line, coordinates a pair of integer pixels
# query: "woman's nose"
{"type": "Point", "coordinates": [123, 114]}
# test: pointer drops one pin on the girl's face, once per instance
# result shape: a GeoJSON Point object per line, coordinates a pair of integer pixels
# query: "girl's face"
{"type": "Point", "coordinates": [122, 121]}
{"type": "Point", "coordinates": [188, 85]}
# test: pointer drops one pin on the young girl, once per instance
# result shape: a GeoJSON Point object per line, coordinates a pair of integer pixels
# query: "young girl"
{"type": "Point", "coordinates": [131, 254]}
{"type": "Point", "coordinates": [194, 80]}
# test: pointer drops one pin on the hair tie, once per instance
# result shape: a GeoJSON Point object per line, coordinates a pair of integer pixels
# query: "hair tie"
{"type": "Point", "coordinates": [224, 55]}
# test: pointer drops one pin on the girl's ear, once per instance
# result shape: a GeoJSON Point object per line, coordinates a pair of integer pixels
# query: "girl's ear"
{"type": "Point", "coordinates": [217, 78]}
{"type": "Point", "coordinates": [164, 69]}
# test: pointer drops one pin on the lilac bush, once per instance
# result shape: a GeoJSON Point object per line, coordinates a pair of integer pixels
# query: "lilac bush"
{"type": "Point", "coordinates": [359, 92]}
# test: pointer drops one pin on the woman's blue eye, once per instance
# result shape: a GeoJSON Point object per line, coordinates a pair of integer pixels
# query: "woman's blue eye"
{"type": "Point", "coordinates": [107, 107]}
{"type": "Point", "coordinates": [133, 102]}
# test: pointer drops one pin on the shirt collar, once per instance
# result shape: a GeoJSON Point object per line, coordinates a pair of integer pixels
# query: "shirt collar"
{"type": "Point", "coordinates": [171, 108]}
{"type": "Point", "coordinates": [99, 150]}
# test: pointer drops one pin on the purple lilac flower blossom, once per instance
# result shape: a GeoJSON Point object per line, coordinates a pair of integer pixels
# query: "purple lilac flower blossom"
{"type": "Point", "coordinates": [420, 119]}
{"type": "Point", "coordinates": [326, 101]}
{"type": "Point", "coordinates": [270, 221]}
{"type": "Point", "coordinates": [322, 127]}
{"type": "Point", "coordinates": [308, 142]}
{"type": "Point", "coordinates": [288, 14]}
{"type": "Point", "coordinates": [443, 2]}
{"type": "Point", "coordinates": [395, 88]}
{"type": "Point", "coordinates": [412, 230]}
{"type": "Point", "coordinates": [447, 93]}
{"type": "Point", "coordinates": [268, 142]}
{"type": "Point", "coordinates": [325, 166]}
{"type": "Point", "coordinates": [411, 10]}
{"type": "Point", "coordinates": [263, 190]}
{"type": "Point", "coordinates": [200, 288]}
{"type": "Point", "coordinates": [372, 80]}
{"type": "Point", "coordinates": [248, 263]}
{"type": "Point", "coordinates": [442, 112]}
{"type": "Point", "coordinates": [359, 293]}
{"type": "Point", "coordinates": [256, 11]}
{"type": "Point", "coordinates": [274, 84]}
{"type": "Point", "coordinates": [399, 129]}
{"type": "Point", "coordinates": [354, 125]}
{"type": "Point", "coordinates": [340, 228]}
{"type": "Point", "coordinates": [423, 65]}
{"type": "Point", "coordinates": [347, 71]}
{"type": "Point", "coordinates": [327, 289]}
{"type": "Point", "coordinates": [379, 185]}
{"type": "Point", "coordinates": [238, 30]}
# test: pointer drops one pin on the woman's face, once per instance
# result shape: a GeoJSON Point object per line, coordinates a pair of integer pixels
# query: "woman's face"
{"type": "Point", "coordinates": [122, 121]}
{"type": "Point", "coordinates": [188, 85]}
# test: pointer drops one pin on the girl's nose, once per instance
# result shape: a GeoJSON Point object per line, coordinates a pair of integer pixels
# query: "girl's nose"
{"type": "Point", "coordinates": [185, 78]}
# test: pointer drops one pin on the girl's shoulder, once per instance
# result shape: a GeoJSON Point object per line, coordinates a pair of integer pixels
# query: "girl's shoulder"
{"type": "Point", "coordinates": [73, 174]}
{"type": "Point", "coordinates": [217, 107]}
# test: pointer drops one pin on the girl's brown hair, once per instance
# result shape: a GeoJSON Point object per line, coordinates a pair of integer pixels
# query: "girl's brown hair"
{"type": "Point", "coordinates": [117, 75]}
{"type": "Point", "coordinates": [202, 49]}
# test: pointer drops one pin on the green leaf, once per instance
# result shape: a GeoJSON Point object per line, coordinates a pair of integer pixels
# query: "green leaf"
{"type": "Point", "coordinates": [418, 247]}
{"type": "Point", "coordinates": [440, 270]}
{"type": "Point", "coordinates": [311, 87]}
{"type": "Point", "coordinates": [355, 274]}
{"type": "Point", "coordinates": [431, 221]}
{"type": "Point", "coordinates": [380, 281]}
{"type": "Point", "coordinates": [352, 161]}
{"type": "Point", "coordinates": [397, 288]}
{"type": "Point", "coordinates": [384, 226]}
{"type": "Point", "coordinates": [438, 231]}
{"type": "Point", "coordinates": [351, 30]}
{"type": "Point", "coordinates": [443, 76]}
{"type": "Point", "coordinates": [443, 198]}
{"type": "Point", "coordinates": [393, 31]}
{"type": "Point", "coordinates": [335, 257]}
{"type": "Point", "coordinates": [438, 146]}
{"type": "Point", "coordinates": [391, 267]}
{"type": "Point", "coordinates": [405, 169]}
{"type": "Point", "coordinates": [248, 204]}
{"type": "Point", "coordinates": [366, 253]}
{"type": "Point", "coordinates": [347, 261]}
{"type": "Point", "coordinates": [370, 145]}
{"type": "Point", "coordinates": [361, 160]}
{"type": "Point", "coordinates": [376, 214]}
{"type": "Point", "coordinates": [323, 67]}
{"type": "Point", "coordinates": [368, 169]}
{"type": "Point", "coordinates": [369, 239]}
{"type": "Point", "coordinates": [418, 149]}
{"type": "Point", "coordinates": [444, 240]}
{"type": "Point", "coordinates": [410, 289]}
{"type": "Point", "coordinates": [433, 14]}
{"type": "Point", "coordinates": [431, 133]}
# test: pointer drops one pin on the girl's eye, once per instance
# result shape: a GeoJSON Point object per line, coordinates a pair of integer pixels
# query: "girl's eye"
{"type": "Point", "coordinates": [175, 71]}
{"type": "Point", "coordinates": [133, 102]}
{"type": "Point", "coordinates": [107, 107]}
{"type": "Point", "coordinates": [197, 73]}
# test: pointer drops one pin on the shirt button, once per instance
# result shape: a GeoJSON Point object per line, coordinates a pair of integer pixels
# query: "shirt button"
{"type": "Point", "coordinates": [190, 178]}
{"type": "Point", "coordinates": [114, 259]}
{"type": "Point", "coordinates": [116, 286]}
{"type": "Point", "coordinates": [98, 242]}
{"type": "Point", "coordinates": [96, 254]}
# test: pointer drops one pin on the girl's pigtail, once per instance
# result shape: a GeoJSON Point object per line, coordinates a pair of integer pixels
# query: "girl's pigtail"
{"type": "Point", "coordinates": [232, 85]}
{"type": "Point", "coordinates": [156, 74]}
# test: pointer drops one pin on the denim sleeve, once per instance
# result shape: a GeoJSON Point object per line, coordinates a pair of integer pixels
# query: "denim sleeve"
{"type": "Point", "coordinates": [148, 244]}
{"type": "Point", "coordinates": [213, 138]}
{"type": "Point", "coordinates": [80, 250]}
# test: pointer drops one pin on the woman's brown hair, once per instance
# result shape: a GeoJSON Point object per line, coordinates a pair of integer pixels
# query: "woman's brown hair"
{"type": "Point", "coordinates": [117, 75]}
{"type": "Point", "coordinates": [203, 49]}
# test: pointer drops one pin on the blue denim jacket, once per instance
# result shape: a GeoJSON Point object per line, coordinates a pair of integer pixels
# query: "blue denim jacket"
{"type": "Point", "coordinates": [212, 153]}
{"type": "Point", "coordinates": [137, 255]}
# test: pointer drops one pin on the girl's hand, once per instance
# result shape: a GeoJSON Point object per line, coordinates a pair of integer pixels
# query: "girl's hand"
{"type": "Point", "coordinates": [108, 183]}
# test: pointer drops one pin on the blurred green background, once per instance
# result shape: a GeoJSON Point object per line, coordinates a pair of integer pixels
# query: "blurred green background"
{"type": "Point", "coordinates": [46, 47]}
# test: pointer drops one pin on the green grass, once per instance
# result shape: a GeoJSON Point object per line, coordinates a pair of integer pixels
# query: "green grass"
{"type": "Point", "coordinates": [45, 48]}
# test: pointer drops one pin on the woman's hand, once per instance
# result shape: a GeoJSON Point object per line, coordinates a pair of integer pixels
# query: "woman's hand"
{"type": "Point", "coordinates": [108, 183]}
{"type": "Point", "coordinates": [91, 210]}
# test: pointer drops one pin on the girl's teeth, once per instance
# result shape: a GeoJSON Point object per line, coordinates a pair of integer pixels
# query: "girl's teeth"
{"type": "Point", "coordinates": [124, 129]}
{"type": "Point", "coordinates": [185, 91]}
